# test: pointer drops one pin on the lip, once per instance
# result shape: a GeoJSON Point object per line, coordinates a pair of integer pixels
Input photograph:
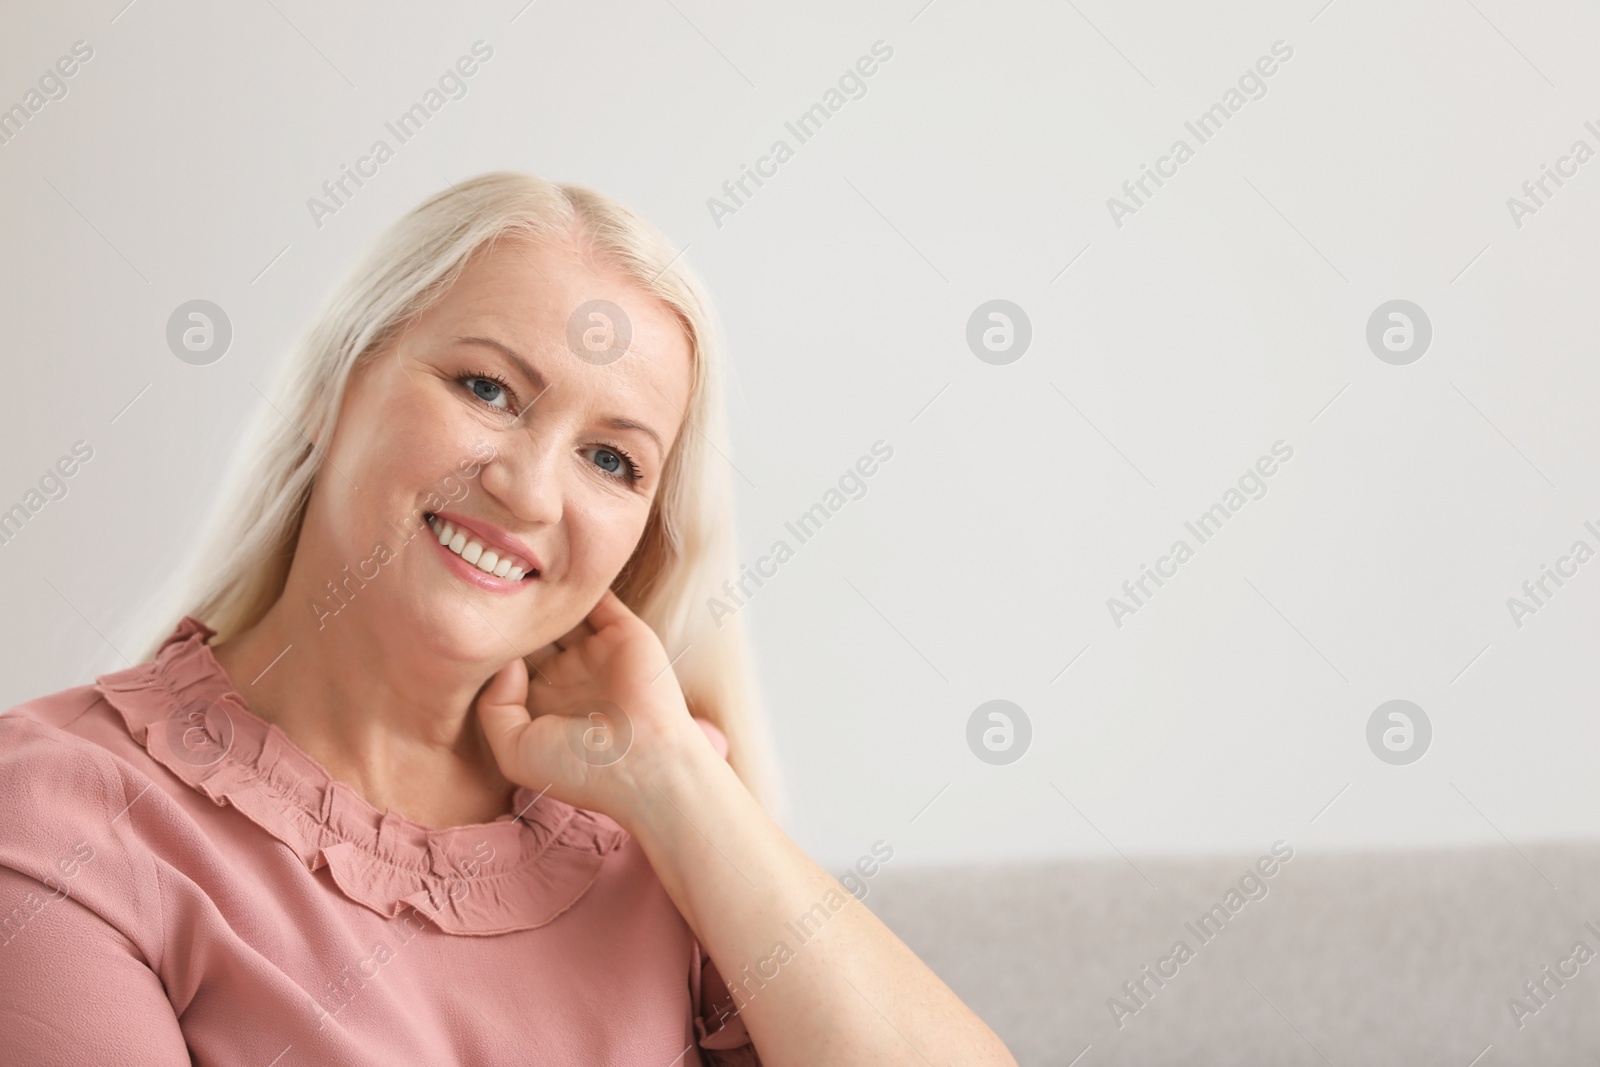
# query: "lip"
{"type": "Point", "coordinates": [473, 576]}
{"type": "Point", "coordinates": [490, 537]}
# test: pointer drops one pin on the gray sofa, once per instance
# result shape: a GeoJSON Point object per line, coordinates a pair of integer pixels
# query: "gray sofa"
{"type": "Point", "coordinates": [1400, 958]}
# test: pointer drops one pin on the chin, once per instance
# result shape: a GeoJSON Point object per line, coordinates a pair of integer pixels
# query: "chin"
{"type": "Point", "coordinates": [438, 627]}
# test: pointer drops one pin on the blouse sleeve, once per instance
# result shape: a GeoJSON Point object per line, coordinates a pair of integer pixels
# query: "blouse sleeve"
{"type": "Point", "coordinates": [77, 891]}
{"type": "Point", "coordinates": [723, 1039]}
{"type": "Point", "coordinates": [74, 990]}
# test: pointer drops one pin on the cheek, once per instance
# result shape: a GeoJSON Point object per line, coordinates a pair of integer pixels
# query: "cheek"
{"type": "Point", "coordinates": [602, 539]}
{"type": "Point", "coordinates": [406, 437]}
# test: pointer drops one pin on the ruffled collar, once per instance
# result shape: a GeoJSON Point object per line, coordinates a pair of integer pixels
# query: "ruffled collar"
{"type": "Point", "coordinates": [516, 873]}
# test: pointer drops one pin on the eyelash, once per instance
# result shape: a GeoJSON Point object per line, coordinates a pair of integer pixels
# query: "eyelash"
{"type": "Point", "coordinates": [630, 471]}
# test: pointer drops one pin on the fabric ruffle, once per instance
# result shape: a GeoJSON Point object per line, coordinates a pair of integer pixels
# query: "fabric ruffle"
{"type": "Point", "coordinates": [516, 873]}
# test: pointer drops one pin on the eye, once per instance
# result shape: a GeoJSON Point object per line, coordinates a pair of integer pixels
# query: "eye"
{"type": "Point", "coordinates": [489, 388]}
{"type": "Point", "coordinates": [617, 464]}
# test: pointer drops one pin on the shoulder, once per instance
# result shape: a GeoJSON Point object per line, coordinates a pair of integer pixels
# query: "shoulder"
{"type": "Point", "coordinates": [67, 808]}
{"type": "Point", "coordinates": [69, 772]}
{"type": "Point", "coordinates": [66, 750]}
{"type": "Point", "coordinates": [56, 709]}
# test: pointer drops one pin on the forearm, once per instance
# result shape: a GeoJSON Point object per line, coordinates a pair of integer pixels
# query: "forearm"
{"type": "Point", "coordinates": [816, 976]}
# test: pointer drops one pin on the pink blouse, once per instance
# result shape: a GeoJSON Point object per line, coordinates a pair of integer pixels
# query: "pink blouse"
{"type": "Point", "coordinates": [180, 883]}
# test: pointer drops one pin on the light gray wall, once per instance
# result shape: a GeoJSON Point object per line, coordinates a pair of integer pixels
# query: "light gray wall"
{"type": "Point", "coordinates": [1228, 312]}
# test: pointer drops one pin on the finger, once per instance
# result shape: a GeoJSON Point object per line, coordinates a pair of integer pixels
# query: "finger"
{"type": "Point", "coordinates": [608, 611]}
{"type": "Point", "coordinates": [536, 675]}
{"type": "Point", "coordinates": [584, 628]}
{"type": "Point", "coordinates": [502, 711]}
{"type": "Point", "coordinates": [581, 629]}
{"type": "Point", "coordinates": [539, 657]}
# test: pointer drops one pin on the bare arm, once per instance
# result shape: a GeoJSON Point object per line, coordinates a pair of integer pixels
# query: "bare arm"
{"type": "Point", "coordinates": [817, 977]}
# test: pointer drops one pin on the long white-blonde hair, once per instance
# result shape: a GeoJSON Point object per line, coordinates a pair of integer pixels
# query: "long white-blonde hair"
{"type": "Point", "coordinates": [688, 546]}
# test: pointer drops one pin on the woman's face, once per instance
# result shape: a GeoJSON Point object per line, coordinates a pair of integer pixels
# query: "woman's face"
{"type": "Point", "coordinates": [572, 449]}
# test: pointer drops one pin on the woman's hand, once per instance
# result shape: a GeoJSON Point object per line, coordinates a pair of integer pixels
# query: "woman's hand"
{"type": "Point", "coordinates": [603, 714]}
{"type": "Point", "coordinates": [609, 731]}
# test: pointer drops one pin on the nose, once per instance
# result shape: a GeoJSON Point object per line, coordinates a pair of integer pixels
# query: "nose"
{"type": "Point", "coordinates": [525, 476]}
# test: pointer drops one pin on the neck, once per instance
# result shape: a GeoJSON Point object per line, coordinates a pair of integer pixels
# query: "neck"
{"type": "Point", "coordinates": [392, 721]}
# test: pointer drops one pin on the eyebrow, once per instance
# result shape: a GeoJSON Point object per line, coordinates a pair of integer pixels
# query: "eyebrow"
{"type": "Point", "coordinates": [541, 383]}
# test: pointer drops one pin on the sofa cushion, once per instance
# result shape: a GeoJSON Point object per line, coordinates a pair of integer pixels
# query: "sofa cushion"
{"type": "Point", "coordinates": [1400, 958]}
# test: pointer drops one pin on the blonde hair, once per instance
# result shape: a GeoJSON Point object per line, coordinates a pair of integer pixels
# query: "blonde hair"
{"type": "Point", "coordinates": [688, 543]}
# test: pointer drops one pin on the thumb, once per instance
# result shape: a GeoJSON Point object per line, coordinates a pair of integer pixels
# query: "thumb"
{"type": "Point", "coordinates": [502, 708]}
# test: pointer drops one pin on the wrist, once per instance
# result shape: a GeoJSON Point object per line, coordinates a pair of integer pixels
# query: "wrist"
{"type": "Point", "coordinates": [692, 819]}
{"type": "Point", "coordinates": [670, 795]}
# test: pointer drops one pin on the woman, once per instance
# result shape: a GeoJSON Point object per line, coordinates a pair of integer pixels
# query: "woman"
{"type": "Point", "coordinates": [330, 820]}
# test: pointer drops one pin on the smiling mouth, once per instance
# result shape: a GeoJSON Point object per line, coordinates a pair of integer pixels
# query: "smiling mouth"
{"type": "Point", "coordinates": [510, 567]}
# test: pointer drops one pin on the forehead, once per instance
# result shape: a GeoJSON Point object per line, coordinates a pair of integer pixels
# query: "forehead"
{"type": "Point", "coordinates": [547, 301]}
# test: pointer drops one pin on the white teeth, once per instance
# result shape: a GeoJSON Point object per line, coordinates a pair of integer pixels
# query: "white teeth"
{"type": "Point", "coordinates": [486, 560]}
